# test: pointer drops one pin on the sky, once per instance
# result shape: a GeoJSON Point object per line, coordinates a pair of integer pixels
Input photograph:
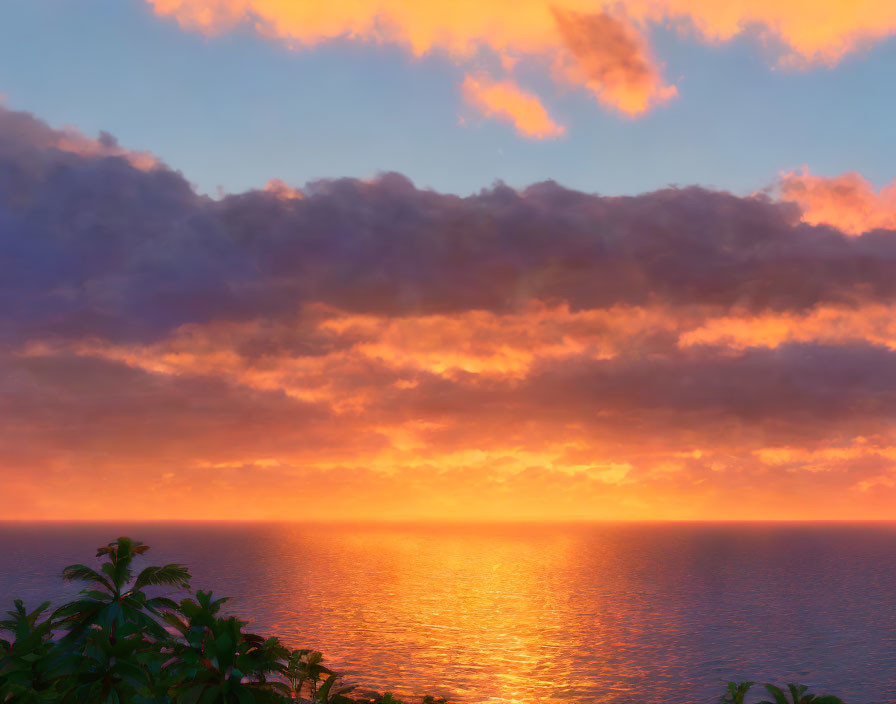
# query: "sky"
{"type": "Point", "coordinates": [454, 260]}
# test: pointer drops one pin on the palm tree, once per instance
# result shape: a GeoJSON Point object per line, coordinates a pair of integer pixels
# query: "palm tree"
{"type": "Point", "coordinates": [198, 613]}
{"type": "Point", "coordinates": [330, 694]}
{"type": "Point", "coordinates": [112, 599]}
{"type": "Point", "coordinates": [798, 696]}
{"type": "Point", "coordinates": [736, 692]}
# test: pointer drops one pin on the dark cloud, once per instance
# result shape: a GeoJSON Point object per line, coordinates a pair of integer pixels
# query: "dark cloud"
{"type": "Point", "coordinates": [143, 324]}
{"type": "Point", "coordinates": [805, 394]}
{"type": "Point", "coordinates": [92, 406]}
{"type": "Point", "coordinates": [93, 245]}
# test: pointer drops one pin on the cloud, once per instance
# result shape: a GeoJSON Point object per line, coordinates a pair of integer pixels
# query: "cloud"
{"type": "Point", "coordinates": [611, 59]}
{"type": "Point", "coordinates": [847, 202]}
{"type": "Point", "coordinates": [824, 34]}
{"type": "Point", "coordinates": [602, 46]}
{"type": "Point", "coordinates": [589, 46]}
{"type": "Point", "coordinates": [506, 101]}
{"type": "Point", "coordinates": [541, 353]}
{"type": "Point", "coordinates": [22, 133]}
{"type": "Point", "coordinates": [874, 323]}
{"type": "Point", "coordinates": [282, 190]}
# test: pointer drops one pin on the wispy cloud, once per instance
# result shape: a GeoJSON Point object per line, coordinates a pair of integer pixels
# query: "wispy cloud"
{"type": "Point", "coordinates": [506, 101]}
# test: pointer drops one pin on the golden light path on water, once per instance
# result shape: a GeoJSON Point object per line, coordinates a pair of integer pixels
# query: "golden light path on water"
{"type": "Point", "coordinates": [616, 614]}
{"type": "Point", "coordinates": [477, 611]}
{"type": "Point", "coordinates": [520, 614]}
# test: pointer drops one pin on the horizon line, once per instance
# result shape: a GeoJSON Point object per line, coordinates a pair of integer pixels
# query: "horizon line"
{"type": "Point", "coordinates": [449, 522]}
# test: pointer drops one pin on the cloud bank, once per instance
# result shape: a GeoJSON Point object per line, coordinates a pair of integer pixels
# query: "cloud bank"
{"type": "Point", "coordinates": [394, 352]}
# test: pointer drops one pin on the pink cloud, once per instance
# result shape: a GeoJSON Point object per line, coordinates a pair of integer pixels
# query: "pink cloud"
{"type": "Point", "coordinates": [847, 202]}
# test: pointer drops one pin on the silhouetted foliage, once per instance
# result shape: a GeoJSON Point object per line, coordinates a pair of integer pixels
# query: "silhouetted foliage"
{"type": "Point", "coordinates": [798, 695]}
{"type": "Point", "coordinates": [736, 692]}
{"type": "Point", "coordinates": [116, 644]}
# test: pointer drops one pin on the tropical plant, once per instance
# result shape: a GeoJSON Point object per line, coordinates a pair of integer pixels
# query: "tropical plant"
{"type": "Point", "coordinates": [113, 599]}
{"type": "Point", "coordinates": [387, 698]}
{"type": "Point", "coordinates": [798, 695]}
{"type": "Point", "coordinates": [197, 613]}
{"type": "Point", "coordinates": [330, 693]}
{"type": "Point", "coordinates": [218, 662]}
{"type": "Point", "coordinates": [24, 675]}
{"type": "Point", "coordinates": [108, 670]}
{"type": "Point", "coordinates": [736, 692]}
{"type": "Point", "coordinates": [303, 667]}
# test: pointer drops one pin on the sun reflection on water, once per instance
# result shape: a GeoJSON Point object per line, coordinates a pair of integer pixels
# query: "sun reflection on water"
{"type": "Point", "coordinates": [612, 613]}
{"type": "Point", "coordinates": [593, 614]}
{"type": "Point", "coordinates": [477, 609]}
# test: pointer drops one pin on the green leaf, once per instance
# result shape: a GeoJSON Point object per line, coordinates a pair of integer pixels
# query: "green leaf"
{"type": "Point", "coordinates": [777, 693]}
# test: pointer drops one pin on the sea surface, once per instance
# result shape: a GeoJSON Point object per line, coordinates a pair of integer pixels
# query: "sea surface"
{"type": "Point", "coordinates": [615, 613]}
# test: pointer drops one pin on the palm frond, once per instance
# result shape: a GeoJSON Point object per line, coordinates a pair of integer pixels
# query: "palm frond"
{"type": "Point", "coordinates": [157, 603]}
{"type": "Point", "coordinates": [168, 575]}
{"type": "Point", "coordinates": [83, 573]}
{"type": "Point", "coordinates": [78, 609]}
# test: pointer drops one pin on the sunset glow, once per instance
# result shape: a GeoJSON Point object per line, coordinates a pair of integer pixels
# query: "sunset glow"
{"type": "Point", "coordinates": [477, 369]}
{"type": "Point", "coordinates": [266, 303]}
{"type": "Point", "coordinates": [447, 351]}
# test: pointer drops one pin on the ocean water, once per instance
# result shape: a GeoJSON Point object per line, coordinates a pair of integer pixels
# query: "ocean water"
{"type": "Point", "coordinates": [614, 613]}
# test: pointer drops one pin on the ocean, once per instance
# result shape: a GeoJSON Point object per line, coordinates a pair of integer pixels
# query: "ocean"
{"type": "Point", "coordinates": [609, 613]}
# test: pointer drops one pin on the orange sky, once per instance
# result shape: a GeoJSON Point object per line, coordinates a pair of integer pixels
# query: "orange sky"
{"type": "Point", "coordinates": [369, 350]}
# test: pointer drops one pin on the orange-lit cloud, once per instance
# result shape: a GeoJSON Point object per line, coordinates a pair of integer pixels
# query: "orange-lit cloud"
{"type": "Point", "coordinates": [280, 189]}
{"type": "Point", "coordinates": [587, 43]}
{"type": "Point", "coordinates": [600, 45]}
{"type": "Point", "coordinates": [611, 59]}
{"type": "Point", "coordinates": [505, 100]}
{"type": "Point", "coordinates": [825, 324]}
{"type": "Point", "coordinates": [820, 31]}
{"type": "Point", "coordinates": [74, 142]}
{"type": "Point", "coordinates": [394, 352]}
{"type": "Point", "coordinates": [517, 404]}
{"type": "Point", "coordinates": [21, 129]}
{"type": "Point", "coordinates": [816, 32]}
{"type": "Point", "coordinates": [848, 202]}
